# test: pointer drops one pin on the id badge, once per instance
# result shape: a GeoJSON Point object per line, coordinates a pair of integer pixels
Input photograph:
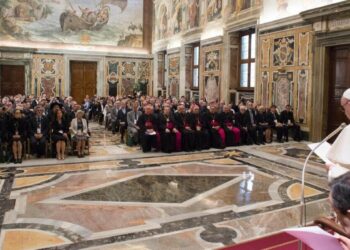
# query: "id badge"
{"type": "Point", "coordinates": [61, 131]}
{"type": "Point", "coordinates": [38, 130]}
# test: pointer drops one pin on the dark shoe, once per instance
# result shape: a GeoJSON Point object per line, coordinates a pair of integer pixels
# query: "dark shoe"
{"type": "Point", "coordinates": [20, 160]}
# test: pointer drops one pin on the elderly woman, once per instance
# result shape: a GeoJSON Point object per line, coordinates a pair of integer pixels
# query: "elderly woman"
{"type": "Point", "coordinates": [79, 132]}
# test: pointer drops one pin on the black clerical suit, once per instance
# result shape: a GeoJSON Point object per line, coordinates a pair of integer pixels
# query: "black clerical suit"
{"type": "Point", "coordinates": [187, 134]}
{"type": "Point", "coordinates": [199, 125]}
{"type": "Point", "coordinates": [227, 120]}
{"type": "Point", "coordinates": [216, 135]}
{"type": "Point", "coordinates": [167, 134]}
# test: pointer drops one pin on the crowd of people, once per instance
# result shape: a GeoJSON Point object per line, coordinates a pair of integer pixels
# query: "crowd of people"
{"type": "Point", "coordinates": [161, 124]}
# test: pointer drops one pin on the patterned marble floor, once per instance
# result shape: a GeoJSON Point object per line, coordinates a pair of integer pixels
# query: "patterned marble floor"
{"type": "Point", "coordinates": [202, 200]}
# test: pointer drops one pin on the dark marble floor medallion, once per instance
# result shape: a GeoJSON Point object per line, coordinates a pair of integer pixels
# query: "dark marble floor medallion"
{"type": "Point", "coordinates": [222, 235]}
{"type": "Point", "coordinates": [154, 189]}
{"type": "Point", "coordinates": [302, 154]}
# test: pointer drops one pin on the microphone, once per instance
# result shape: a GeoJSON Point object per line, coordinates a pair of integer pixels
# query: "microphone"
{"type": "Point", "coordinates": [302, 200]}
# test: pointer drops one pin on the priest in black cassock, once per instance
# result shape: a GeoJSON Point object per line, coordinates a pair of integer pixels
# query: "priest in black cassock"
{"type": "Point", "coordinates": [217, 133]}
{"type": "Point", "coordinates": [199, 125]}
{"type": "Point", "coordinates": [183, 124]}
{"type": "Point", "coordinates": [148, 125]}
{"type": "Point", "coordinates": [169, 134]}
{"type": "Point", "coordinates": [228, 124]}
{"type": "Point", "coordinates": [242, 124]}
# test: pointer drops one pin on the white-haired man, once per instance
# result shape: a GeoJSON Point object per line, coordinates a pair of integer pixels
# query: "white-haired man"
{"type": "Point", "coordinates": [339, 153]}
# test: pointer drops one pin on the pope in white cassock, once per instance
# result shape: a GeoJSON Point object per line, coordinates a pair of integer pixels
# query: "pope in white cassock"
{"type": "Point", "coordinates": [339, 154]}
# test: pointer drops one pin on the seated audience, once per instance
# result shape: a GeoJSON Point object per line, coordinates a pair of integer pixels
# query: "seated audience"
{"type": "Point", "coordinates": [200, 125]}
{"type": "Point", "coordinates": [38, 132]}
{"type": "Point", "coordinates": [251, 122]}
{"type": "Point", "coordinates": [263, 126]}
{"type": "Point", "coordinates": [17, 129]}
{"type": "Point", "coordinates": [122, 120]}
{"type": "Point", "coordinates": [287, 119]}
{"type": "Point", "coordinates": [228, 123]}
{"type": "Point", "coordinates": [60, 130]}
{"type": "Point", "coordinates": [169, 134]}
{"type": "Point", "coordinates": [79, 131]}
{"type": "Point", "coordinates": [148, 125]}
{"type": "Point", "coordinates": [113, 115]}
{"type": "Point", "coordinates": [275, 122]}
{"type": "Point", "coordinates": [217, 133]}
{"type": "Point", "coordinates": [132, 118]}
{"type": "Point", "coordinates": [183, 125]}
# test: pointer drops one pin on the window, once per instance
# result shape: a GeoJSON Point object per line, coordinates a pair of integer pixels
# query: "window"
{"type": "Point", "coordinates": [195, 67]}
{"type": "Point", "coordinates": [247, 59]}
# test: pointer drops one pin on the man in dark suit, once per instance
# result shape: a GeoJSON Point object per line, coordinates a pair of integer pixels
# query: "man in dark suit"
{"type": "Point", "coordinates": [122, 120]}
{"type": "Point", "coordinates": [132, 118]}
{"type": "Point", "coordinates": [287, 119]}
{"type": "Point", "coordinates": [251, 122]}
{"type": "Point", "coordinates": [274, 120]}
{"type": "Point", "coordinates": [38, 132]}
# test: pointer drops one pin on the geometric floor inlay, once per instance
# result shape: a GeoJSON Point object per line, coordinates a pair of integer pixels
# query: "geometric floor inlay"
{"type": "Point", "coordinates": [199, 200]}
{"type": "Point", "coordinates": [154, 189]}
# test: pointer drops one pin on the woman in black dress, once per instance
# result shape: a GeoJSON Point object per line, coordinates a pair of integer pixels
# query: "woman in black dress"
{"type": "Point", "coordinates": [17, 129]}
{"type": "Point", "coordinates": [60, 129]}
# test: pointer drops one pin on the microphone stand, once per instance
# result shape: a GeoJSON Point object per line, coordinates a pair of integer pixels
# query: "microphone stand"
{"type": "Point", "coordinates": [302, 200]}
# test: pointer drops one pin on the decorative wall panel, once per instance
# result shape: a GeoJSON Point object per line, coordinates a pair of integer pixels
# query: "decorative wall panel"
{"type": "Point", "coordinates": [160, 70]}
{"type": "Point", "coordinates": [265, 53]}
{"type": "Point", "coordinates": [127, 76]}
{"type": "Point", "coordinates": [47, 75]}
{"type": "Point", "coordinates": [211, 72]}
{"type": "Point", "coordinates": [265, 88]}
{"type": "Point", "coordinates": [304, 44]}
{"type": "Point", "coordinates": [282, 89]}
{"type": "Point", "coordinates": [287, 79]}
{"type": "Point", "coordinates": [303, 79]}
{"type": "Point", "coordinates": [283, 51]}
{"type": "Point", "coordinates": [174, 74]}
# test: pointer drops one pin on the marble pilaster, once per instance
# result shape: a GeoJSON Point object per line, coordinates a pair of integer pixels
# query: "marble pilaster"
{"type": "Point", "coordinates": [182, 79]}
{"type": "Point", "coordinates": [155, 75]}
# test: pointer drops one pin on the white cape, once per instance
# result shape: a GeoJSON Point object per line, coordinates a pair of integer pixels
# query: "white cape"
{"type": "Point", "coordinates": [339, 153]}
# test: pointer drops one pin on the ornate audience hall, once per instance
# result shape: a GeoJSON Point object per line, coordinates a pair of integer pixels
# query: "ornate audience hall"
{"type": "Point", "coordinates": [274, 54]}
